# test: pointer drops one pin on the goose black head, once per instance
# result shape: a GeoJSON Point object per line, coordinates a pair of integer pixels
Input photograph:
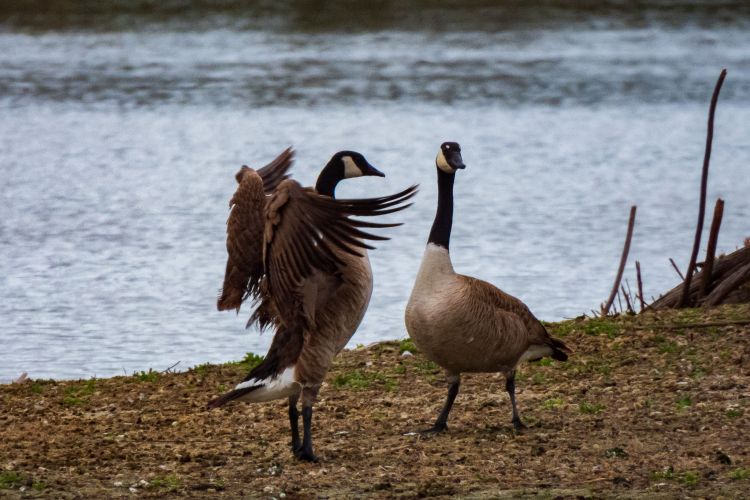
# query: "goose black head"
{"type": "Point", "coordinates": [449, 158]}
{"type": "Point", "coordinates": [344, 165]}
{"type": "Point", "coordinates": [352, 164]}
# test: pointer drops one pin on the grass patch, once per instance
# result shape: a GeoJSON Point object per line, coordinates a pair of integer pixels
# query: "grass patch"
{"type": "Point", "coordinates": [601, 326]}
{"type": "Point", "coordinates": [615, 452]}
{"type": "Point", "coordinates": [250, 361]}
{"type": "Point", "coordinates": [149, 376]}
{"type": "Point", "coordinates": [738, 474]}
{"type": "Point", "coordinates": [684, 402]}
{"type": "Point", "coordinates": [406, 345]}
{"type": "Point", "coordinates": [552, 403]}
{"type": "Point", "coordinates": [688, 478]}
{"type": "Point", "coordinates": [425, 366]}
{"type": "Point", "coordinates": [201, 370]}
{"type": "Point", "coordinates": [665, 346]}
{"type": "Point", "coordinates": [168, 483]}
{"type": "Point", "coordinates": [590, 408]}
{"type": "Point", "coordinates": [359, 379]}
{"type": "Point", "coordinates": [542, 362]}
{"type": "Point", "coordinates": [80, 393]}
{"type": "Point", "coordinates": [734, 413]}
{"type": "Point", "coordinates": [10, 479]}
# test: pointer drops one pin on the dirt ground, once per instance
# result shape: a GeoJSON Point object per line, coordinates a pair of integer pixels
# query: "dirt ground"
{"type": "Point", "coordinates": [654, 406]}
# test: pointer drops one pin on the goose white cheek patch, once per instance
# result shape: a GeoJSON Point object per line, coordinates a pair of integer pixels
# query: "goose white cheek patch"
{"type": "Point", "coordinates": [442, 163]}
{"type": "Point", "coordinates": [350, 168]}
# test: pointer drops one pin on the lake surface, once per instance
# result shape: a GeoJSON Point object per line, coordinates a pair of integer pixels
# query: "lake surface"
{"type": "Point", "coordinates": [121, 129]}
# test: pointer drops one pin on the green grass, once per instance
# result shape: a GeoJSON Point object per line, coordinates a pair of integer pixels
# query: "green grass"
{"type": "Point", "coordinates": [539, 378]}
{"type": "Point", "coordinates": [552, 403]}
{"type": "Point", "coordinates": [615, 452]}
{"type": "Point", "coordinates": [250, 361]}
{"type": "Point", "coordinates": [79, 393]}
{"type": "Point", "coordinates": [734, 413]}
{"type": "Point", "coordinates": [665, 346]}
{"type": "Point", "coordinates": [738, 474]}
{"type": "Point", "coordinates": [590, 408]}
{"type": "Point", "coordinates": [168, 483]}
{"type": "Point", "coordinates": [684, 402]}
{"type": "Point", "coordinates": [10, 479]}
{"type": "Point", "coordinates": [601, 326]}
{"type": "Point", "coordinates": [688, 478]}
{"type": "Point", "coordinates": [542, 362]}
{"type": "Point", "coordinates": [359, 379]}
{"type": "Point", "coordinates": [406, 345]}
{"type": "Point", "coordinates": [149, 376]}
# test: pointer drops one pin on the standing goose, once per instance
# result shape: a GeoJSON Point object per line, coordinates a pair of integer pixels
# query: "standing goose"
{"type": "Point", "coordinates": [302, 258]}
{"type": "Point", "coordinates": [465, 324]}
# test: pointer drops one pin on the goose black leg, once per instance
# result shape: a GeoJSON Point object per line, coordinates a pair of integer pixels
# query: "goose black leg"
{"type": "Point", "coordinates": [305, 452]}
{"type": "Point", "coordinates": [294, 422]}
{"type": "Point", "coordinates": [510, 386]}
{"type": "Point", "coordinates": [454, 382]}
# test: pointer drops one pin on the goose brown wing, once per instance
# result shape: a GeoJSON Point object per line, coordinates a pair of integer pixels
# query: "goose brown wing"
{"type": "Point", "coordinates": [244, 240]}
{"type": "Point", "coordinates": [276, 171]}
{"type": "Point", "coordinates": [509, 304]}
{"type": "Point", "coordinates": [304, 234]}
{"type": "Point", "coordinates": [245, 224]}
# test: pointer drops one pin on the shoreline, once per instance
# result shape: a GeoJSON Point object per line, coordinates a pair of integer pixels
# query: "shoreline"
{"type": "Point", "coordinates": [653, 405]}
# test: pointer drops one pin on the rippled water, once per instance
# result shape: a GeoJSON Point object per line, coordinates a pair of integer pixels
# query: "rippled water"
{"type": "Point", "coordinates": [120, 132]}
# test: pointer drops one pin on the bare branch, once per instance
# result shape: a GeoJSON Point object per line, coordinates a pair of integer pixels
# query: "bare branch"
{"type": "Point", "coordinates": [684, 300]}
{"type": "Point", "coordinates": [623, 259]}
{"type": "Point", "coordinates": [713, 237]}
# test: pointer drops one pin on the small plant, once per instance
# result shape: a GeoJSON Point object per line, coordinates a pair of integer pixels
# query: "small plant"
{"type": "Point", "coordinates": [201, 369]}
{"type": "Point", "coordinates": [601, 326]}
{"type": "Point", "coordinates": [615, 452]}
{"type": "Point", "coordinates": [10, 479]}
{"type": "Point", "coordinates": [358, 379]}
{"type": "Point", "coordinates": [169, 483]}
{"type": "Point", "coordinates": [741, 473]}
{"type": "Point", "coordinates": [149, 376]}
{"type": "Point", "coordinates": [37, 388]}
{"type": "Point", "coordinates": [79, 394]}
{"type": "Point", "coordinates": [543, 362]}
{"type": "Point", "coordinates": [426, 366]}
{"type": "Point", "coordinates": [666, 473]}
{"type": "Point", "coordinates": [406, 345]}
{"type": "Point", "coordinates": [689, 478]}
{"type": "Point", "coordinates": [539, 378]}
{"type": "Point", "coordinates": [667, 347]}
{"type": "Point", "coordinates": [684, 402]}
{"type": "Point", "coordinates": [590, 408]}
{"type": "Point", "coordinates": [552, 403]}
{"type": "Point", "coordinates": [734, 413]}
{"type": "Point", "coordinates": [251, 360]}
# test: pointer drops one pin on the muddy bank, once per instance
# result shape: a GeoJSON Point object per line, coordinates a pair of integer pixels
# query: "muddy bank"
{"type": "Point", "coordinates": [655, 405]}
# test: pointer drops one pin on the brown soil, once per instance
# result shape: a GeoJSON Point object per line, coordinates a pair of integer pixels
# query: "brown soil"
{"type": "Point", "coordinates": [646, 406]}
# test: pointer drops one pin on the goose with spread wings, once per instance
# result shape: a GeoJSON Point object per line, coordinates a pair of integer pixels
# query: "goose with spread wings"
{"type": "Point", "coordinates": [300, 254]}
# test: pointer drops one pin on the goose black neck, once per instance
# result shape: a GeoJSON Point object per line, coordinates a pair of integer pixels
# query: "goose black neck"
{"type": "Point", "coordinates": [328, 179]}
{"type": "Point", "coordinates": [441, 228]}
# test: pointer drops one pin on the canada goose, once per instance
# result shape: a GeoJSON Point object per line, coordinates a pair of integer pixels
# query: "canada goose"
{"type": "Point", "coordinates": [302, 258]}
{"type": "Point", "coordinates": [465, 324]}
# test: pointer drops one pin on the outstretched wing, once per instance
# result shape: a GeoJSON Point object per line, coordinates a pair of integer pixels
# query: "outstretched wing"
{"type": "Point", "coordinates": [245, 229]}
{"type": "Point", "coordinates": [276, 171]}
{"type": "Point", "coordinates": [305, 233]}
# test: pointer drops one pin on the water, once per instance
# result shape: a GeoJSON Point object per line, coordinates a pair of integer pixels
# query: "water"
{"type": "Point", "coordinates": [121, 128]}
